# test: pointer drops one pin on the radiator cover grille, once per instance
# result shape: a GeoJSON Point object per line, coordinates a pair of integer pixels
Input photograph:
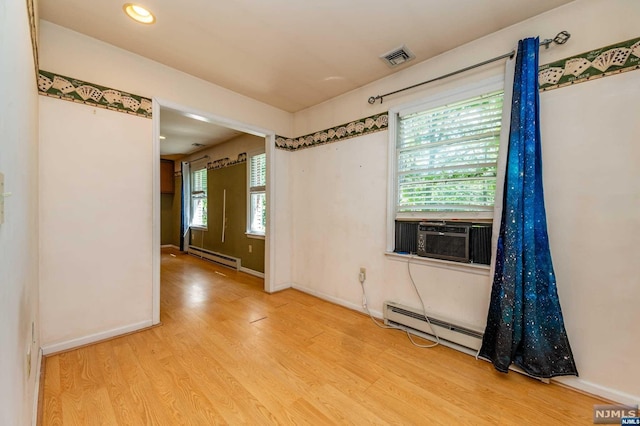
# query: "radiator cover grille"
{"type": "Point", "coordinates": [221, 259]}
{"type": "Point", "coordinates": [412, 320]}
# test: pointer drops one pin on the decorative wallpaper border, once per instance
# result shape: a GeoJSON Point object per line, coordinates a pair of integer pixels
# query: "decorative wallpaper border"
{"type": "Point", "coordinates": [363, 126]}
{"type": "Point", "coordinates": [226, 162]}
{"type": "Point", "coordinates": [608, 60]}
{"type": "Point", "coordinates": [220, 163]}
{"type": "Point", "coordinates": [71, 89]}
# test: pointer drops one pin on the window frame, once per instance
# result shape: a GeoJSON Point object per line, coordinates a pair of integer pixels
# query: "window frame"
{"type": "Point", "coordinates": [198, 168]}
{"type": "Point", "coordinates": [444, 97]}
{"type": "Point", "coordinates": [251, 233]}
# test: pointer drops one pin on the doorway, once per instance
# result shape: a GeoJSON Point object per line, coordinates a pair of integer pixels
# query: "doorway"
{"type": "Point", "coordinates": [230, 127]}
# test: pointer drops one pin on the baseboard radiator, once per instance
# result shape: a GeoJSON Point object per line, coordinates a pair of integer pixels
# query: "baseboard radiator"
{"type": "Point", "coordinates": [221, 259]}
{"type": "Point", "coordinates": [414, 321]}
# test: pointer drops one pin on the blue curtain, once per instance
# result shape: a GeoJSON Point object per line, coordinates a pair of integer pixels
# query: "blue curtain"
{"type": "Point", "coordinates": [525, 324]}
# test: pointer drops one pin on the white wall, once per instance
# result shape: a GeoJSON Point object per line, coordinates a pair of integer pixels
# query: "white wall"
{"type": "Point", "coordinates": [19, 233]}
{"type": "Point", "coordinates": [95, 202]}
{"type": "Point", "coordinates": [590, 133]}
{"type": "Point", "coordinates": [85, 267]}
{"type": "Point", "coordinates": [591, 163]}
{"type": "Point", "coordinates": [75, 55]}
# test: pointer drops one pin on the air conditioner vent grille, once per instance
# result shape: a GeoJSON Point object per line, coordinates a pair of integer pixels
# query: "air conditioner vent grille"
{"type": "Point", "coordinates": [397, 56]}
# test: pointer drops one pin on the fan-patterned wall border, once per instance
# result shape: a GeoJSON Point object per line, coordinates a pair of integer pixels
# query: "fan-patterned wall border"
{"type": "Point", "coordinates": [71, 89]}
{"type": "Point", "coordinates": [220, 163]}
{"type": "Point", "coordinates": [608, 60]}
{"type": "Point", "coordinates": [226, 162]}
{"type": "Point", "coordinates": [361, 127]}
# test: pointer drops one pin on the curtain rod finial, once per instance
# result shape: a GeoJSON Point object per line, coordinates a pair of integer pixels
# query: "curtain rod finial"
{"type": "Point", "coordinates": [562, 37]}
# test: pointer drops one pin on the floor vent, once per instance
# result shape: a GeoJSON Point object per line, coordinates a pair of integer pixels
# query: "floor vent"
{"type": "Point", "coordinates": [221, 259]}
{"type": "Point", "coordinates": [415, 322]}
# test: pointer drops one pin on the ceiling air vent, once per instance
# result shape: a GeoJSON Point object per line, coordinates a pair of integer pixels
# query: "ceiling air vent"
{"type": "Point", "coordinates": [397, 56]}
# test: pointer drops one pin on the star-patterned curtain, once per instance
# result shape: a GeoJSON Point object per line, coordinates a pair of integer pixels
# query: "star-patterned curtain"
{"type": "Point", "coordinates": [525, 324]}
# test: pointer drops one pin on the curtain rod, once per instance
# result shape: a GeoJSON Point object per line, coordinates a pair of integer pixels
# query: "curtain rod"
{"type": "Point", "coordinates": [560, 38]}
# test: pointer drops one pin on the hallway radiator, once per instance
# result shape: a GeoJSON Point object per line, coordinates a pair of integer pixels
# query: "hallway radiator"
{"type": "Point", "coordinates": [459, 337]}
{"type": "Point", "coordinates": [221, 259]}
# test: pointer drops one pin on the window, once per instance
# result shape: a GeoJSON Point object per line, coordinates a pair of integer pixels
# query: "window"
{"type": "Point", "coordinates": [257, 200]}
{"type": "Point", "coordinates": [446, 156]}
{"type": "Point", "coordinates": [199, 198]}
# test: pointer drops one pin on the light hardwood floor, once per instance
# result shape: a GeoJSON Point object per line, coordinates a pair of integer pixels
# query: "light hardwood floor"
{"type": "Point", "coordinates": [228, 353]}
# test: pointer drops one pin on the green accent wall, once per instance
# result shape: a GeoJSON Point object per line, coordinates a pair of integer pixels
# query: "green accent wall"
{"type": "Point", "coordinates": [166, 218]}
{"type": "Point", "coordinates": [236, 244]}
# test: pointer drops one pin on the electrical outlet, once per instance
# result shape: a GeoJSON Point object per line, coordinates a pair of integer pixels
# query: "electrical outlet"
{"type": "Point", "coordinates": [363, 274]}
{"type": "Point", "coordinates": [250, 248]}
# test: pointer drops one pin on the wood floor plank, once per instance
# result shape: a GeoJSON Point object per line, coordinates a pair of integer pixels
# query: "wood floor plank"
{"type": "Point", "coordinates": [125, 411]}
{"type": "Point", "coordinates": [52, 404]}
{"type": "Point", "coordinates": [229, 353]}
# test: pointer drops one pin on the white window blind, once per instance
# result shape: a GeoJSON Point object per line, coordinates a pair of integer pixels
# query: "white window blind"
{"type": "Point", "coordinates": [257, 203]}
{"type": "Point", "coordinates": [199, 198]}
{"type": "Point", "coordinates": [446, 156]}
{"type": "Point", "coordinates": [258, 173]}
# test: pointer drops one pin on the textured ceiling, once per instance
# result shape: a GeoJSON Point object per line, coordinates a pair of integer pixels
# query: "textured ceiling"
{"type": "Point", "coordinates": [291, 54]}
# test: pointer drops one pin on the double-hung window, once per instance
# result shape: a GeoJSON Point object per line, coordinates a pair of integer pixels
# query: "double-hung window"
{"type": "Point", "coordinates": [257, 201]}
{"type": "Point", "coordinates": [199, 198]}
{"type": "Point", "coordinates": [446, 155]}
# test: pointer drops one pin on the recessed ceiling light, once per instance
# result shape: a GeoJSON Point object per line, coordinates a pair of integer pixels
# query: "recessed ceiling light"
{"type": "Point", "coordinates": [139, 13]}
{"type": "Point", "coordinates": [163, 137]}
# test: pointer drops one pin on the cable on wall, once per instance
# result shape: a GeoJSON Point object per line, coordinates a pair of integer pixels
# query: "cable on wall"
{"type": "Point", "coordinates": [365, 306]}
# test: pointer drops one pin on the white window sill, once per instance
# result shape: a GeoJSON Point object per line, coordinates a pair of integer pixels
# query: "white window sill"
{"type": "Point", "coordinates": [255, 236]}
{"type": "Point", "coordinates": [198, 228]}
{"type": "Point", "coordinates": [470, 268]}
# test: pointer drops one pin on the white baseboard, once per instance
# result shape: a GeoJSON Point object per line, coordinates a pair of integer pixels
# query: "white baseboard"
{"type": "Point", "coordinates": [571, 382]}
{"type": "Point", "coordinates": [36, 392]}
{"type": "Point", "coordinates": [170, 246]}
{"type": "Point", "coordinates": [280, 287]}
{"type": "Point", "coordinates": [336, 300]}
{"type": "Point", "coordinates": [93, 338]}
{"type": "Point", "coordinates": [598, 390]}
{"type": "Point", "coordinates": [251, 272]}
